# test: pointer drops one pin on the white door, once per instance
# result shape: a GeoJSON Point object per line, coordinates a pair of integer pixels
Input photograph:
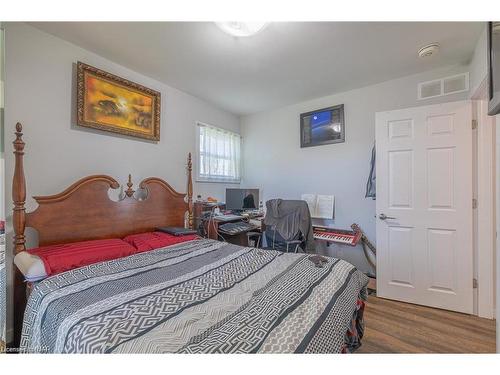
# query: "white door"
{"type": "Point", "coordinates": [424, 205]}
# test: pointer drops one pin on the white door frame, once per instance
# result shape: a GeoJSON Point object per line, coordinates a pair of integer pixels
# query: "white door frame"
{"type": "Point", "coordinates": [485, 215]}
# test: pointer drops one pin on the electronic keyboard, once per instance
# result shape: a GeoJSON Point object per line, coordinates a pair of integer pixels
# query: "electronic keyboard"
{"type": "Point", "coordinates": [345, 237]}
{"type": "Point", "coordinates": [228, 217]}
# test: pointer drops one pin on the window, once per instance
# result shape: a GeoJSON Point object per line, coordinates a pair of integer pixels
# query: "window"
{"type": "Point", "coordinates": [218, 154]}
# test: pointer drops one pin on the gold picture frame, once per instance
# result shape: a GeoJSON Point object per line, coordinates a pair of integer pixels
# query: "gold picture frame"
{"type": "Point", "coordinates": [114, 104]}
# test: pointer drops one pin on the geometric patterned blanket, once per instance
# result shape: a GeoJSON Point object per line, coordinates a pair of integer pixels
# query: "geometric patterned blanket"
{"type": "Point", "coordinates": [3, 294]}
{"type": "Point", "coordinates": [201, 296]}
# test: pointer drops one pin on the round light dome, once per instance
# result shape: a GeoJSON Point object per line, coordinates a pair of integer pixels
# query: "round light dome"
{"type": "Point", "coordinates": [428, 50]}
{"type": "Point", "coordinates": [241, 28]}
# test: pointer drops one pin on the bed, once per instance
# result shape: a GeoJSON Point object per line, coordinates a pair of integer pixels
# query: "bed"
{"type": "Point", "coordinates": [198, 296]}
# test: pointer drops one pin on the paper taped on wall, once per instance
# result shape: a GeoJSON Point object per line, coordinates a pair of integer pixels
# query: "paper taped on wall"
{"type": "Point", "coordinates": [320, 206]}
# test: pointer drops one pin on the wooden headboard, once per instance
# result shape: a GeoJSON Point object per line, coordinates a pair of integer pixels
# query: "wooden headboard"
{"type": "Point", "coordinates": [84, 211]}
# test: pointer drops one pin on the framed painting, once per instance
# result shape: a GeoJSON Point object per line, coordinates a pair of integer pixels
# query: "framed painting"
{"type": "Point", "coordinates": [110, 103]}
{"type": "Point", "coordinates": [322, 126]}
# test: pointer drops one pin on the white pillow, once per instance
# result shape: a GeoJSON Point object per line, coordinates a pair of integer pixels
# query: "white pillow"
{"type": "Point", "coordinates": [30, 266]}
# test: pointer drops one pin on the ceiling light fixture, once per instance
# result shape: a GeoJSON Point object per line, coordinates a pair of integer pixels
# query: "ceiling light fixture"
{"type": "Point", "coordinates": [240, 29]}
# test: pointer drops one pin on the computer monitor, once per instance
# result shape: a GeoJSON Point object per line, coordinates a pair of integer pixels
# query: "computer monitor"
{"type": "Point", "coordinates": [242, 199]}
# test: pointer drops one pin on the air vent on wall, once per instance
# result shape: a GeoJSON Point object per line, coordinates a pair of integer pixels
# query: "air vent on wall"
{"type": "Point", "coordinates": [429, 89]}
{"type": "Point", "coordinates": [444, 86]}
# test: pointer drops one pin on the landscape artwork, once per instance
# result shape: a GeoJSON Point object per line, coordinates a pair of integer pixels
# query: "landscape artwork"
{"type": "Point", "coordinates": [110, 103]}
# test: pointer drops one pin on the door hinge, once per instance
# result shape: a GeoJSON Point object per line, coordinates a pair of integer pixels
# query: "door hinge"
{"type": "Point", "coordinates": [475, 284]}
{"type": "Point", "coordinates": [474, 203]}
{"type": "Point", "coordinates": [474, 124]}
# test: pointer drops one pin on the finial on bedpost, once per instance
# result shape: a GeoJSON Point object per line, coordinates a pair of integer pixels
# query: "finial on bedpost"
{"type": "Point", "coordinates": [190, 192]}
{"type": "Point", "coordinates": [19, 192]}
{"type": "Point", "coordinates": [129, 192]}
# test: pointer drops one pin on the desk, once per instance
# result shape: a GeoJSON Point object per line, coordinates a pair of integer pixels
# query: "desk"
{"type": "Point", "coordinates": [202, 208]}
{"type": "Point", "coordinates": [237, 239]}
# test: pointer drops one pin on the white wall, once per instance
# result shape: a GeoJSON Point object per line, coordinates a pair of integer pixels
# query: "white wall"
{"type": "Point", "coordinates": [497, 119]}
{"type": "Point", "coordinates": [478, 66]}
{"type": "Point", "coordinates": [478, 73]}
{"type": "Point", "coordinates": [2, 195]}
{"type": "Point", "coordinates": [40, 93]}
{"type": "Point", "coordinates": [275, 162]}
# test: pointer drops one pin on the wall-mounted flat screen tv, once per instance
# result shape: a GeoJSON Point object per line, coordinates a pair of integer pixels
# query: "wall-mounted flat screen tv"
{"type": "Point", "coordinates": [322, 126]}
{"type": "Point", "coordinates": [494, 67]}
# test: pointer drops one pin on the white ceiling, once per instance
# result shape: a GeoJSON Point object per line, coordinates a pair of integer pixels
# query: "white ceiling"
{"type": "Point", "coordinates": [284, 64]}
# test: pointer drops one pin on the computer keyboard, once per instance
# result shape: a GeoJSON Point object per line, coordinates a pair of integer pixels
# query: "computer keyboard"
{"type": "Point", "coordinates": [236, 228]}
{"type": "Point", "coordinates": [253, 213]}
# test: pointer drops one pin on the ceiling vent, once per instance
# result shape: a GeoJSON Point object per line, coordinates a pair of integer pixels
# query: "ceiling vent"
{"type": "Point", "coordinates": [444, 86]}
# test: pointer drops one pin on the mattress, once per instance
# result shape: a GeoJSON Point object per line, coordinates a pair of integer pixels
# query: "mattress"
{"type": "Point", "coordinates": [202, 296]}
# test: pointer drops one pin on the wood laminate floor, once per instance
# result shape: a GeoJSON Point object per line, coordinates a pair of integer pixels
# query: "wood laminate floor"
{"type": "Point", "coordinates": [397, 327]}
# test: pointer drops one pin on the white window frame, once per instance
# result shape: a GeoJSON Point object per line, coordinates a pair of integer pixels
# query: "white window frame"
{"type": "Point", "coordinates": [200, 178]}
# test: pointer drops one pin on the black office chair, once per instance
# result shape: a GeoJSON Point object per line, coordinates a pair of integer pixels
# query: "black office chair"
{"type": "Point", "coordinates": [288, 217]}
{"type": "Point", "coordinates": [275, 241]}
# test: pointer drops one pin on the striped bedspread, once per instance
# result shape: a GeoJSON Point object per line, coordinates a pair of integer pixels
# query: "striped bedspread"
{"type": "Point", "coordinates": [201, 296]}
{"type": "Point", "coordinates": [3, 296]}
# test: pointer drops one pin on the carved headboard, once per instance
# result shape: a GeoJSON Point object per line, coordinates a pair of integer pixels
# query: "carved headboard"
{"type": "Point", "coordinates": [84, 211]}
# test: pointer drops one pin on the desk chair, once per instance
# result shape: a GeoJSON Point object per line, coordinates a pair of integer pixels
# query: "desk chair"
{"type": "Point", "coordinates": [290, 218]}
{"type": "Point", "coordinates": [276, 244]}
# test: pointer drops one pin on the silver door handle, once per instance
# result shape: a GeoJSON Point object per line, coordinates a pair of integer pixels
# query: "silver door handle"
{"type": "Point", "coordinates": [385, 217]}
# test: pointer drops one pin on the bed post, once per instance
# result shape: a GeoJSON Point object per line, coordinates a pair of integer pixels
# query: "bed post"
{"type": "Point", "coordinates": [19, 192]}
{"type": "Point", "coordinates": [190, 192]}
{"type": "Point", "coordinates": [19, 224]}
